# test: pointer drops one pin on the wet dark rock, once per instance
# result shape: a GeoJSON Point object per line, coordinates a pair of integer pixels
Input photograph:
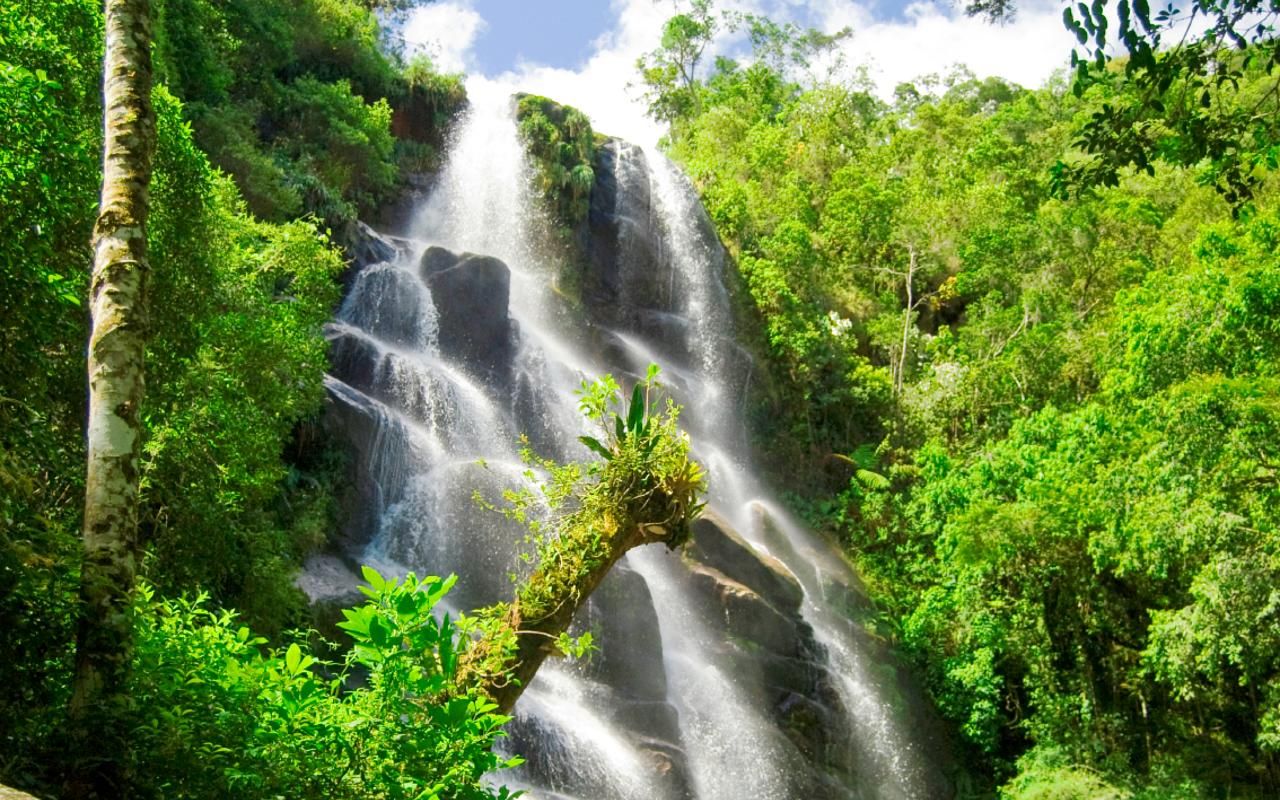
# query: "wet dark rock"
{"type": "Point", "coordinates": [655, 719]}
{"type": "Point", "coordinates": [551, 758]}
{"type": "Point", "coordinates": [375, 479]}
{"type": "Point", "coordinates": [389, 305]}
{"type": "Point", "coordinates": [365, 246]}
{"type": "Point", "coordinates": [671, 766]}
{"type": "Point", "coordinates": [622, 618]}
{"type": "Point", "coordinates": [805, 723]}
{"type": "Point", "coordinates": [472, 296]}
{"type": "Point", "coordinates": [330, 585]}
{"type": "Point", "coordinates": [627, 268]}
{"type": "Point", "coordinates": [669, 331]}
{"type": "Point", "coordinates": [715, 543]}
{"type": "Point", "coordinates": [745, 613]}
{"type": "Point", "coordinates": [366, 366]}
{"type": "Point", "coordinates": [786, 675]}
{"type": "Point", "coordinates": [353, 360]}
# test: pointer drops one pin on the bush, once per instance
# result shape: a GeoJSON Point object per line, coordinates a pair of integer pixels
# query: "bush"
{"type": "Point", "coordinates": [562, 144]}
{"type": "Point", "coordinates": [216, 715]}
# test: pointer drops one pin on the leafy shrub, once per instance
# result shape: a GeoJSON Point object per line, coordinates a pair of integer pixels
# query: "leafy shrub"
{"type": "Point", "coordinates": [236, 362]}
{"type": "Point", "coordinates": [562, 144]}
{"type": "Point", "coordinates": [216, 715]}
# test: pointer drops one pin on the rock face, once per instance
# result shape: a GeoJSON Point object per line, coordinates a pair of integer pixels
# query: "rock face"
{"type": "Point", "coordinates": [373, 476]}
{"type": "Point", "coordinates": [472, 295]}
{"type": "Point", "coordinates": [756, 600]}
{"type": "Point", "coordinates": [364, 247]}
{"type": "Point", "coordinates": [331, 585]}
{"type": "Point", "coordinates": [373, 355]}
{"type": "Point", "coordinates": [630, 282]}
{"type": "Point", "coordinates": [715, 542]}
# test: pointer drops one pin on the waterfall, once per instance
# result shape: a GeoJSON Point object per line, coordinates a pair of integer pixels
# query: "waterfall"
{"type": "Point", "coordinates": [736, 670]}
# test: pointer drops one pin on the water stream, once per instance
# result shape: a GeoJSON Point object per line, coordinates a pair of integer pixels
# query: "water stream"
{"type": "Point", "coordinates": [679, 702]}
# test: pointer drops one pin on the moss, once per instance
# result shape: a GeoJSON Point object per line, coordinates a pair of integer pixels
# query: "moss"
{"type": "Point", "coordinates": [645, 490]}
{"type": "Point", "coordinates": [426, 107]}
{"type": "Point", "coordinates": [563, 146]}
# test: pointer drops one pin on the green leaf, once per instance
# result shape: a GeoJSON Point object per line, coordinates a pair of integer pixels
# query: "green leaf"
{"type": "Point", "coordinates": [374, 579]}
{"type": "Point", "coordinates": [293, 658]}
{"type": "Point", "coordinates": [448, 661]}
{"type": "Point", "coordinates": [596, 446]}
{"type": "Point", "coordinates": [872, 480]}
{"type": "Point", "coordinates": [407, 605]}
{"type": "Point", "coordinates": [636, 416]}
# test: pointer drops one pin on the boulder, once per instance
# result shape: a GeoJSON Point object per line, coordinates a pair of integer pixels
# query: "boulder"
{"type": "Point", "coordinates": [376, 472]}
{"type": "Point", "coordinates": [389, 303]}
{"type": "Point", "coordinates": [671, 766]}
{"type": "Point", "coordinates": [715, 543]}
{"type": "Point", "coordinates": [653, 719]}
{"type": "Point", "coordinates": [806, 724]}
{"type": "Point", "coordinates": [670, 332]}
{"type": "Point", "coordinates": [627, 267]}
{"type": "Point", "coordinates": [353, 359]}
{"type": "Point", "coordinates": [784, 675]}
{"type": "Point", "coordinates": [472, 297]}
{"type": "Point", "coordinates": [363, 246]}
{"type": "Point", "coordinates": [621, 615]}
{"type": "Point", "coordinates": [331, 585]}
{"type": "Point", "coordinates": [745, 613]}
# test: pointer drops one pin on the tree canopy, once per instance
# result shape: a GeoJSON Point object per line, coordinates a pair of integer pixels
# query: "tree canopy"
{"type": "Point", "coordinates": [1022, 341]}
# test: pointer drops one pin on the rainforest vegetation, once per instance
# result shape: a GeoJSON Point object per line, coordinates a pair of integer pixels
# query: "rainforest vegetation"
{"type": "Point", "coordinates": [294, 103]}
{"type": "Point", "coordinates": [1025, 343]}
{"type": "Point", "coordinates": [1020, 356]}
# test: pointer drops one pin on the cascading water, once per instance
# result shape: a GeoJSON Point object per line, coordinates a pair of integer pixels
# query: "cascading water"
{"type": "Point", "coordinates": [735, 671]}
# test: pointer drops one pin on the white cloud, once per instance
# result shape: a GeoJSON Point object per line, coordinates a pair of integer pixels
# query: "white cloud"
{"type": "Point", "coordinates": [446, 31]}
{"type": "Point", "coordinates": [931, 38]}
{"type": "Point", "coordinates": [601, 85]}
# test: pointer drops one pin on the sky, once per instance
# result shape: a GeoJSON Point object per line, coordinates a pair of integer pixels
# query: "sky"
{"type": "Point", "coordinates": [583, 52]}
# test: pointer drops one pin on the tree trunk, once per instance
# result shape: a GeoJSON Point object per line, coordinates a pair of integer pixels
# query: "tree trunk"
{"type": "Point", "coordinates": [536, 634]}
{"type": "Point", "coordinates": [115, 368]}
{"type": "Point", "coordinates": [900, 378]}
{"type": "Point", "coordinates": [648, 491]}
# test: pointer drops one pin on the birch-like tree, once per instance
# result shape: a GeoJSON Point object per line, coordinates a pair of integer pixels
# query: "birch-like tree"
{"type": "Point", "coordinates": [115, 370]}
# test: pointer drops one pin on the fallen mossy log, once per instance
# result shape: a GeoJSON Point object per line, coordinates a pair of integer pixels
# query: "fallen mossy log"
{"type": "Point", "coordinates": [645, 490]}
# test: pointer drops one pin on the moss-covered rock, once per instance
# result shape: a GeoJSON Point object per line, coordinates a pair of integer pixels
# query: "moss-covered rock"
{"type": "Point", "coordinates": [562, 144]}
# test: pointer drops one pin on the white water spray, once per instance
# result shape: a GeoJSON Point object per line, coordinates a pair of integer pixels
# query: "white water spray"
{"type": "Point", "coordinates": [431, 432]}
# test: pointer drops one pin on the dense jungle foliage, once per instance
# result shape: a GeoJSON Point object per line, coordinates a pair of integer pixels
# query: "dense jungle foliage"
{"type": "Point", "coordinates": [294, 101]}
{"type": "Point", "coordinates": [1041, 412]}
{"type": "Point", "coordinates": [562, 146]}
{"type": "Point", "coordinates": [1023, 350]}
